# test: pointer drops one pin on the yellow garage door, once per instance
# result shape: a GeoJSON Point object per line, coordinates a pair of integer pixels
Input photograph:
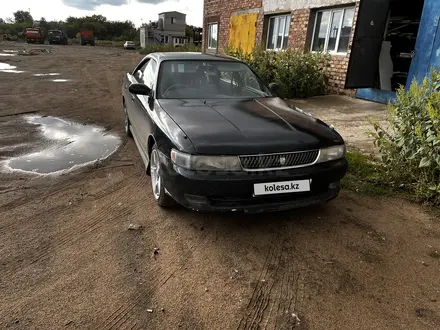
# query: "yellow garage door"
{"type": "Point", "coordinates": [242, 31]}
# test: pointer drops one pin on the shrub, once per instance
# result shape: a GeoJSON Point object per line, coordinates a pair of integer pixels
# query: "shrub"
{"type": "Point", "coordinates": [155, 48]}
{"type": "Point", "coordinates": [262, 62]}
{"type": "Point", "coordinates": [410, 145]}
{"type": "Point", "coordinates": [299, 73]}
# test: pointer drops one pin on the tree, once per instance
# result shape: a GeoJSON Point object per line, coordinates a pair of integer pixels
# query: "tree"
{"type": "Point", "coordinates": [44, 24]}
{"type": "Point", "coordinates": [193, 32]}
{"type": "Point", "coordinates": [103, 29]}
{"type": "Point", "coordinates": [22, 16]}
{"type": "Point", "coordinates": [2, 21]}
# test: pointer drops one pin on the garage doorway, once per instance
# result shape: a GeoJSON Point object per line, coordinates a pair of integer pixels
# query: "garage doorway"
{"type": "Point", "coordinates": [399, 44]}
{"type": "Point", "coordinates": [383, 47]}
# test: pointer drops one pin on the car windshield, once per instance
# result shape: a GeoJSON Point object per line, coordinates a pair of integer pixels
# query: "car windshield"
{"type": "Point", "coordinates": [196, 79]}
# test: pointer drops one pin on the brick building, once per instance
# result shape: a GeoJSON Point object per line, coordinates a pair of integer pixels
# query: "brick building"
{"type": "Point", "coordinates": [372, 43]}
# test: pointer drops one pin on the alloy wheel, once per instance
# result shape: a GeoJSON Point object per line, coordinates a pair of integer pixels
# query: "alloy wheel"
{"type": "Point", "coordinates": [126, 124]}
{"type": "Point", "coordinates": [155, 174]}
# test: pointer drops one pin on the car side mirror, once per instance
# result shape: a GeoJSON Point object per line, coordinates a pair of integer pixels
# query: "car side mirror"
{"type": "Point", "coordinates": [274, 87]}
{"type": "Point", "coordinates": [139, 89]}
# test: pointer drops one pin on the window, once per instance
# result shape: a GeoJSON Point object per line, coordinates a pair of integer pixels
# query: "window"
{"type": "Point", "coordinates": [166, 40]}
{"type": "Point", "coordinates": [212, 36]}
{"type": "Point", "coordinates": [278, 32]}
{"type": "Point", "coordinates": [173, 20]}
{"type": "Point", "coordinates": [140, 72]}
{"type": "Point", "coordinates": [149, 73]}
{"type": "Point", "coordinates": [146, 74]}
{"type": "Point", "coordinates": [332, 30]}
{"type": "Point", "coordinates": [212, 79]}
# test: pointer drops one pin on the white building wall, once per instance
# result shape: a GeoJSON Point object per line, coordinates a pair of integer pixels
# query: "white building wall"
{"type": "Point", "coordinates": [288, 5]}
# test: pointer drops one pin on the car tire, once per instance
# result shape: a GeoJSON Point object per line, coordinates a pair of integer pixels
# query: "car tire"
{"type": "Point", "coordinates": [159, 194]}
{"type": "Point", "coordinates": [127, 123]}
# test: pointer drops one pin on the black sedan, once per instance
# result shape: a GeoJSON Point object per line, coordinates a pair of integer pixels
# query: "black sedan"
{"type": "Point", "coordinates": [213, 136]}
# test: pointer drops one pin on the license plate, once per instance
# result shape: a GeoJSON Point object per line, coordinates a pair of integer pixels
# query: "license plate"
{"type": "Point", "coordinates": [281, 187]}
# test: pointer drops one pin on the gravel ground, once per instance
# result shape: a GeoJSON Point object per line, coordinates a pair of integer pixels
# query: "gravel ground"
{"type": "Point", "coordinates": [68, 258]}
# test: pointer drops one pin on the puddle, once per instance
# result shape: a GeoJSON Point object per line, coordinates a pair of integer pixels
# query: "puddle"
{"type": "Point", "coordinates": [4, 67]}
{"type": "Point", "coordinates": [7, 54]}
{"type": "Point", "coordinates": [72, 145]}
{"type": "Point", "coordinates": [60, 80]}
{"type": "Point", "coordinates": [46, 74]}
{"type": "Point", "coordinates": [9, 51]}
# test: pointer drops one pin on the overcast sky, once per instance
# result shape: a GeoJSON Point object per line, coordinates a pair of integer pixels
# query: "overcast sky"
{"type": "Point", "coordinates": [134, 10]}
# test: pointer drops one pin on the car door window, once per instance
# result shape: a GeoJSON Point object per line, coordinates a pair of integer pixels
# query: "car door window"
{"type": "Point", "coordinates": [139, 73]}
{"type": "Point", "coordinates": [150, 74]}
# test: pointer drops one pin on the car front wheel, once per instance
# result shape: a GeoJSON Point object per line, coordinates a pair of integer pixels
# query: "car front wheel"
{"type": "Point", "coordinates": [127, 123]}
{"type": "Point", "coordinates": [159, 194]}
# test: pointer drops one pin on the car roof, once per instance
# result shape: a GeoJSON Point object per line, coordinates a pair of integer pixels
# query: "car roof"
{"type": "Point", "coordinates": [159, 57]}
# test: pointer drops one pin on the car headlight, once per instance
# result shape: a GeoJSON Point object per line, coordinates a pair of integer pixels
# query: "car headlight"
{"type": "Point", "coordinates": [331, 153]}
{"type": "Point", "coordinates": [205, 163]}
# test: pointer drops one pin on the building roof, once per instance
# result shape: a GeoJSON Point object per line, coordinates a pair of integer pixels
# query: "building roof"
{"type": "Point", "coordinates": [189, 56]}
{"type": "Point", "coordinates": [172, 12]}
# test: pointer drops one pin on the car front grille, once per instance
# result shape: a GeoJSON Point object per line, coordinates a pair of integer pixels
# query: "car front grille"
{"type": "Point", "coordinates": [276, 161]}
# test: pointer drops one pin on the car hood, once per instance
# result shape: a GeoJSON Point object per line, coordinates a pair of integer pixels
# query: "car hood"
{"type": "Point", "coordinates": [263, 125]}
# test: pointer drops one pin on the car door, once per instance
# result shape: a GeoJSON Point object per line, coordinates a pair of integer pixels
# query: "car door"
{"type": "Point", "coordinates": [144, 104]}
{"type": "Point", "coordinates": [130, 99]}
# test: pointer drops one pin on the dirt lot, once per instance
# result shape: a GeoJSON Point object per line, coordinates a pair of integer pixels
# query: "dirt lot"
{"type": "Point", "coordinates": [69, 261]}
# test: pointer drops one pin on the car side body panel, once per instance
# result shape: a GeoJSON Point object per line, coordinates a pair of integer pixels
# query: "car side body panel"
{"type": "Point", "coordinates": [147, 121]}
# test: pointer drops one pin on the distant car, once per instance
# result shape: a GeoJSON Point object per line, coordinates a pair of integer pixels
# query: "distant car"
{"type": "Point", "coordinates": [213, 136]}
{"type": "Point", "coordinates": [129, 45]}
{"type": "Point", "coordinates": [57, 37]}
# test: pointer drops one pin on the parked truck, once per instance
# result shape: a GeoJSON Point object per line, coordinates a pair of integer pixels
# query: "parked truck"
{"type": "Point", "coordinates": [86, 38]}
{"type": "Point", "coordinates": [57, 37]}
{"type": "Point", "coordinates": [34, 35]}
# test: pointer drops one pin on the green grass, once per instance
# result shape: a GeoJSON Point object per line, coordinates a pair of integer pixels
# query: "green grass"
{"type": "Point", "coordinates": [110, 43]}
{"type": "Point", "coordinates": [170, 48]}
{"type": "Point", "coordinates": [101, 43]}
{"type": "Point", "coordinates": [365, 175]}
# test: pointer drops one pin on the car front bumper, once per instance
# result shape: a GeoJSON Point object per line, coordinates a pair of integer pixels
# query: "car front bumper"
{"type": "Point", "coordinates": [202, 191]}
